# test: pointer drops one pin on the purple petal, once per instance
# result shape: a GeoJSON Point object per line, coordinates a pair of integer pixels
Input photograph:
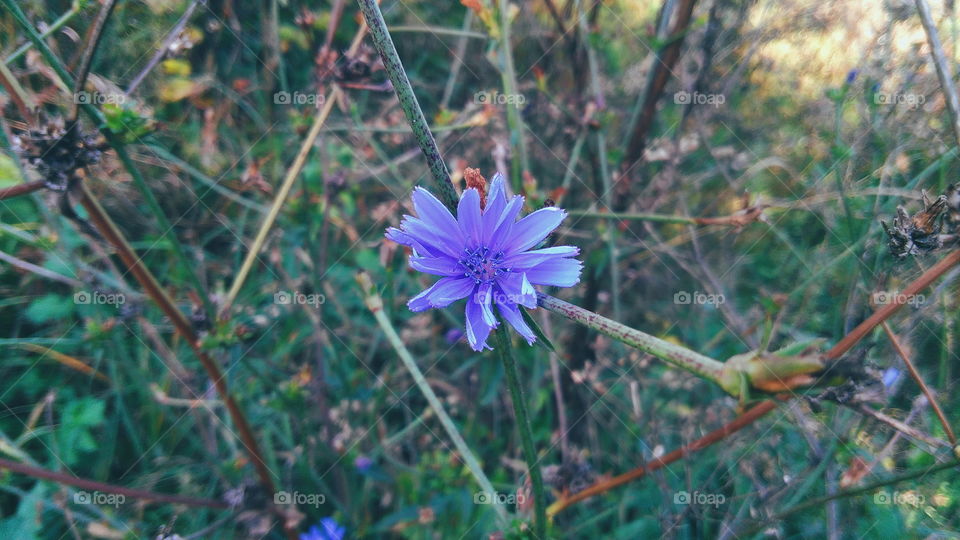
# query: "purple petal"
{"type": "Point", "coordinates": [477, 329]}
{"type": "Point", "coordinates": [511, 314]}
{"type": "Point", "coordinates": [504, 223]}
{"type": "Point", "coordinates": [532, 229]}
{"type": "Point", "coordinates": [517, 289]}
{"type": "Point", "coordinates": [468, 214]}
{"type": "Point", "coordinates": [434, 213]}
{"type": "Point", "coordinates": [435, 240]}
{"type": "Point", "coordinates": [556, 272]}
{"type": "Point", "coordinates": [484, 296]}
{"type": "Point", "coordinates": [438, 266]}
{"type": "Point", "coordinates": [443, 293]}
{"type": "Point", "coordinates": [529, 259]}
{"type": "Point", "coordinates": [493, 211]}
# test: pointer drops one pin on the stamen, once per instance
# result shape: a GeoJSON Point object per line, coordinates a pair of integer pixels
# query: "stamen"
{"type": "Point", "coordinates": [481, 266]}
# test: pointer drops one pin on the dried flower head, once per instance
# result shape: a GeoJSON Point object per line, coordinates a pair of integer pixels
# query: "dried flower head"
{"type": "Point", "coordinates": [917, 234]}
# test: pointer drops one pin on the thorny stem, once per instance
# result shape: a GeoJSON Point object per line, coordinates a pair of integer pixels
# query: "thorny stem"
{"type": "Point", "coordinates": [408, 101]}
{"type": "Point", "coordinates": [375, 305]}
{"type": "Point", "coordinates": [504, 349]}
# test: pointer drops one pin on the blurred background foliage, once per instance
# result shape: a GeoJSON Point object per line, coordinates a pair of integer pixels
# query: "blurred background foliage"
{"type": "Point", "coordinates": [805, 127]}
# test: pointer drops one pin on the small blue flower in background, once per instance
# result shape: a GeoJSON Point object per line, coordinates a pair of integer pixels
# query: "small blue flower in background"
{"type": "Point", "coordinates": [485, 255]}
{"type": "Point", "coordinates": [852, 76]}
{"type": "Point", "coordinates": [328, 529]}
{"type": "Point", "coordinates": [890, 376]}
{"type": "Point", "coordinates": [362, 463]}
{"type": "Point", "coordinates": [453, 335]}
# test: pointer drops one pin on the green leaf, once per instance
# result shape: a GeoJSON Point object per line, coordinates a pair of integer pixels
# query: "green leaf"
{"type": "Point", "coordinates": [49, 307]}
{"type": "Point", "coordinates": [541, 337]}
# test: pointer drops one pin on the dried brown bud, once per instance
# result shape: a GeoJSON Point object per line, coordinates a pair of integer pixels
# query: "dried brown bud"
{"type": "Point", "coordinates": [476, 180]}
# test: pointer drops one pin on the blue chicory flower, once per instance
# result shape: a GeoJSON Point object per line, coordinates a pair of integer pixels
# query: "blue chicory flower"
{"type": "Point", "coordinates": [328, 529]}
{"type": "Point", "coordinates": [485, 255]}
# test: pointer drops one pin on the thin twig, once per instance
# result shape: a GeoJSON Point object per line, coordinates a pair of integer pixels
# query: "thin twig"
{"type": "Point", "coordinates": [39, 270]}
{"type": "Point", "coordinates": [92, 485]}
{"type": "Point", "coordinates": [765, 407]}
{"type": "Point", "coordinates": [375, 305]}
{"type": "Point", "coordinates": [58, 24]}
{"type": "Point", "coordinates": [919, 380]}
{"type": "Point", "coordinates": [901, 427]}
{"type": "Point", "coordinates": [664, 62]}
{"type": "Point", "coordinates": [408, 101]}
{"type": "Point", "coordinates": [108, 229]}
{"type": "Point", "coordinates": [95, 34]}
{"type": "Point", "coordinates": [165, 47]}
{"type": "Point", "coordinates": [21, 189]}
{"type": "Point", "coordinates": [117, 144]}
{"type": "Point", "coordinates": [944, 73]}
{"type": "Point", "coordinates": [292, 174]}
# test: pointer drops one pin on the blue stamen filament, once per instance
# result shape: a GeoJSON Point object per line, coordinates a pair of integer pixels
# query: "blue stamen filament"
{"type": "Point", "coordinates": [479, 265]}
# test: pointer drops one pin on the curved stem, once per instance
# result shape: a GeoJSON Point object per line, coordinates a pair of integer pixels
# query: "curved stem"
{"type": "Point", "coordinates": [523, 424]}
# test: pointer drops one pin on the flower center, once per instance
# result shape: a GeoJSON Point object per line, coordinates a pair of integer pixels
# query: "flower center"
{"type": "Point", "coordinates": [481, 265]}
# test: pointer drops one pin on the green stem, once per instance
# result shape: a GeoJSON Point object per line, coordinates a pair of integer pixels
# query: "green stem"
{"type": "Point", "coordinates": [521, 159]}
{"type": "Point", "coordinates": [117, 145]}
{"type": "Point", "coordinates": [408, 100]}
{"type": "Point", "coordinates": [523, 424]}
{"type": "Point", "coordinates": [656, 218]}
{"type": "Point", "coordinates": [375, 305]}
{"type": "Point", "coordinates": [57, 25]}
{"type": "Point", "coordinates": [677, 355]}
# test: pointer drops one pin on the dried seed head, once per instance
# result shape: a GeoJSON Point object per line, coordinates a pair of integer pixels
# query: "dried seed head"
{"type": "Point", "coordinates": [918, 234]}
{"type": "Point", "coordinates": [58, 152]}
{"type": "Point", "coordinates": [476, 180]}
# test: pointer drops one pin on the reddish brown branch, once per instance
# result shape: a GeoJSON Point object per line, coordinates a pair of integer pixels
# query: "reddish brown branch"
{"type": "Point", "coordinates": [112, 234]}
{"type": "Point", "coordinates": [93, 485]}
{"type": "Point", "coordinates": [662, 70]}
{"type": "Point", "coordinates": [21, 189]}
{"type": "Point", "coordinates": [762, 409]}
{"type": "Point", "coordinates": [923, 386]}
